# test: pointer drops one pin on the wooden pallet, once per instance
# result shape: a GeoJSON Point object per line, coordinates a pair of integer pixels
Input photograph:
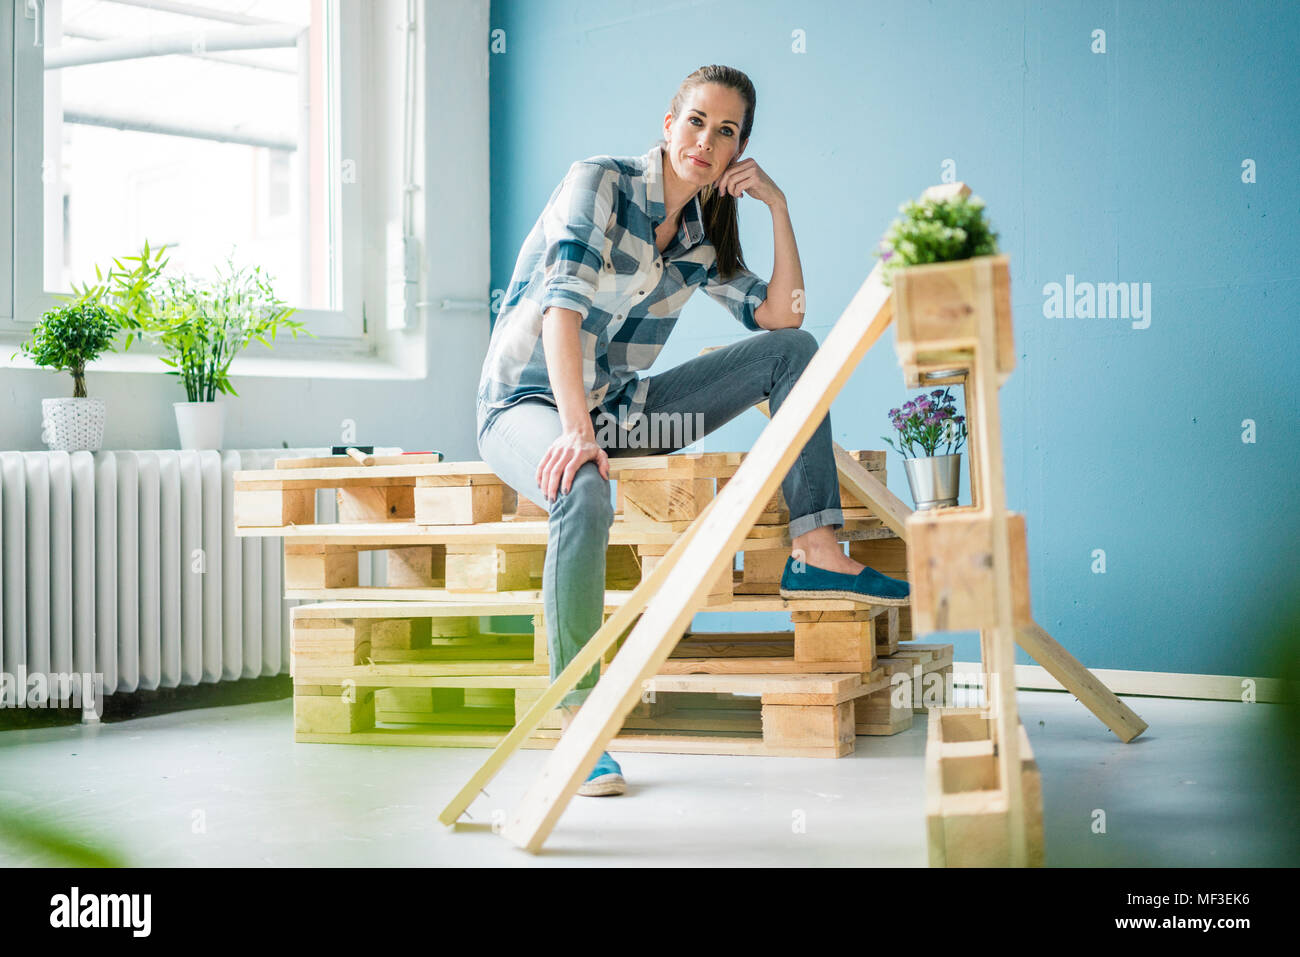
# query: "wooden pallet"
{"type": "Point", "coordinates": [332, 639]}
{"type": "Point", "coordinates": [661, 492]}
{"type": "Point", "coordinates": [794, 715]}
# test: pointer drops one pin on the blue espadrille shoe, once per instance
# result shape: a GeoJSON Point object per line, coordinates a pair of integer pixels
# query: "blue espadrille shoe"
{"type": "Point", "coordinates": [606, 778]}
{"type": "Point", "coordinates": [867, 586]}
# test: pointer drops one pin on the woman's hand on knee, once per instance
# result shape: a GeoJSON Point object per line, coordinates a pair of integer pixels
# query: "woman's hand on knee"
{"type": "Point", "coordinates": [562, 460]}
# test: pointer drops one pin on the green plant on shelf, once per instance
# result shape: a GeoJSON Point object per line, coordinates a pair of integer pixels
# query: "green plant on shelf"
{"type": "Point", "coordinates": [936, 231]}
{"type": "Point", "coordinates": [201, 325]}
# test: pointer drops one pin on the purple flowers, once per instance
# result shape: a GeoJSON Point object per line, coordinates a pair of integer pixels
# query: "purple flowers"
{"type": "Point", "coordinates": [928, 421]}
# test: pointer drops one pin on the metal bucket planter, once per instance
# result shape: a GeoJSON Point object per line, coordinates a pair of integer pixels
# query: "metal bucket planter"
{"type": "Point", "coordinates": [935, 480]}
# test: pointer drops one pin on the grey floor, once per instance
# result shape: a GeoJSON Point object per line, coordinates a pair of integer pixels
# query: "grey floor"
{"type": "Point", "coordinates": [227, 786]}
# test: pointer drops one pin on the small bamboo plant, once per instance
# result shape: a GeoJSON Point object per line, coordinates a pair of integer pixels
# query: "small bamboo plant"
{"type": "Point", "coordinates": [69, 337]}
{"type": "Point", "coordinates": [936, 231]}
{"type": "Point", "coordinates": [201, 325]}
{"type": "Point", "coordinates": [928, 421]}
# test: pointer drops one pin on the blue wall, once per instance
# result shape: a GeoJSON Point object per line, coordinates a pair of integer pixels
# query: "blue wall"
{"type": "Point", "coordinates": [1123, 166]}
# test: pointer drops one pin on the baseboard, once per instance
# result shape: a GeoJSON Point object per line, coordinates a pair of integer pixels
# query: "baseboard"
{"type": "Point", "coordinates": [1158, 684]}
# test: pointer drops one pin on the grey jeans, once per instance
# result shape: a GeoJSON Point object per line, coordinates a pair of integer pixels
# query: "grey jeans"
{"type": "Point", "coordinates": [682, 403]}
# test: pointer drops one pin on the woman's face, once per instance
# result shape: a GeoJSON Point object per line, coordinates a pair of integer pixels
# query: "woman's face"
{"type": "Point", "coordinates": [705, 137]}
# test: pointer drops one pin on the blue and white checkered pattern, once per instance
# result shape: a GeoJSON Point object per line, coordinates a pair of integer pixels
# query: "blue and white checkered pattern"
{"type": "Point", "coordinates": [593, 251]}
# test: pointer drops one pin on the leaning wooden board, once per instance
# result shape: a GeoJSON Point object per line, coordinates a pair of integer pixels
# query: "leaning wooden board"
{"type": "Point", "coordinates": [717, 534]}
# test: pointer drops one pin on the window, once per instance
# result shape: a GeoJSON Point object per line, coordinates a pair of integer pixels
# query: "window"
{"type": "Point", "coordinates": [215, 127]}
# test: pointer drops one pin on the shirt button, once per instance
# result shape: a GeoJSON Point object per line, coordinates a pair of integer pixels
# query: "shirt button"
{"type": "Point", "coordinates": [618, 318]}
{"type": "Point", "coordinates": [641, 292]}
{"type": "Point", "coordinates": [607, 265]}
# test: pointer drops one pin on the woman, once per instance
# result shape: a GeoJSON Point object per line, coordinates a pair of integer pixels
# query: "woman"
{"type": "Point", "coordinates": [598, 286]}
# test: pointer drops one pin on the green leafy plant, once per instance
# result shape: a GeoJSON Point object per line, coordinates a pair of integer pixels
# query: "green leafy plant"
{"type": "Point", "coordinates": [928, 421]}
{"type": "Point", "coordinates": [936, 231]}
{"type": "Point", "coordinates": [68, 337]}
{"type": "Point", "coordinates": [201, 325]}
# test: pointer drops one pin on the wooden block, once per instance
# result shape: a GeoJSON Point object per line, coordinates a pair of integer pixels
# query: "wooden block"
{"type": "Point", "coordinates": [886, 555]}
{"type": "Point", "coordinates": [952, 570]}
{"type": "Point", "coordinates": [824, 729]}
{"type": "Point", "coordinates": [836, 641]}
{"type": "Point", "coordinates": [328, 641]}
{"type": "Point", "coordinates": [319, 566]}
{"type": "Point", "coordinates": [527, 510]}
{"type": "Point", "coordinates": [400, 633]}
{"type": "Point", "coordinates": [622, 567]}
{"type": "Point", "coordinates": [274, 508]}
{"type": "Point", "coordinates": [665, 500]}
{"type": "Point", "coordinates": [884, 712]}
{"type": "Point", "coordinates": [334, 713]}
{"type": "Point", "coordinates": [383, 503]}
{"type": "Point", "coordinates": [935, 310]}
{"type": "Point", "coordinates": [541, 647]}
{"type": "Point", "coordinates": [764, 566]}
{"type": "Point", "coordinates": [417, 566]}
{"type": "Point", "coordinates": [458, 505]}
{"type": "Point", "coordinates": [490, 567]}
{"type": "Point", "coordinates": [887, 631]}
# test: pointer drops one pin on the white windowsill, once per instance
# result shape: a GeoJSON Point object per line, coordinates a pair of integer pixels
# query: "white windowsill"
{"type": "Point", "coordinates": [323, 362]}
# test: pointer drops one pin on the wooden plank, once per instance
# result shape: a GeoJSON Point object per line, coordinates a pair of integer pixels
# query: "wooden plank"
{"type": "Point", "coordinates": [719, 533]}
{"type": "Point", "coordinates": [794, 687]}
{"type": "Point", "coordinates": [1080, 682]}
{"type": "Point", "coordinates": [982, 388]}
{"type": "Point", "coordinates": [332, 461]}
{"type": "Point", "coordinates": [760, 666]}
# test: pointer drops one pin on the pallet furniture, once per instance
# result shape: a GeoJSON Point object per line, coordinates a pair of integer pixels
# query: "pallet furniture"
{"type": "Point", "coordinates": [665, 599]}
{"type": "Point", "coordinates": [969, 571]}
{"type": "Point", "coordinates": [461, 545]}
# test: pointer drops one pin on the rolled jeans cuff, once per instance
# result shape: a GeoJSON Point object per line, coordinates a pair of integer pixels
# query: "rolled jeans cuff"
{"type": "Point", "coordinates": [577, 696]}
{"type": "Point", "coordinates": [806, 523]}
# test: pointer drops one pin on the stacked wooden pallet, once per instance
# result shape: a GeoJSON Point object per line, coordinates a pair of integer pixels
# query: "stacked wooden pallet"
{"type": "Point", "coordinates": [413, 661]}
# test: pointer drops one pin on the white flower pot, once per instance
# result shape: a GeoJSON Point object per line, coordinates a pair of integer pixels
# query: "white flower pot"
{"type": "Point", "coordinates": [71, 425]}
{"type": "Point", "coordinates": [201, 425]}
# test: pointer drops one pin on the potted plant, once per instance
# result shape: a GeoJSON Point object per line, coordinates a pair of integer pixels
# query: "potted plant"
{"type": "Point", "coordinates": [941, 259]}
{"type": "Point", "coordinates": [930, 421]}
{"type": "Point", "coordinates": [202, 326]}
{"type": "Point", "coordinates": [937, 230]}
{"type": "Point", "coordinates": [65, 339]}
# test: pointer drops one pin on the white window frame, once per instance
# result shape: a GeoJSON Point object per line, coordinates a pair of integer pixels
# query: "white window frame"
{"type": "Point", "coordinates": [346, 334]}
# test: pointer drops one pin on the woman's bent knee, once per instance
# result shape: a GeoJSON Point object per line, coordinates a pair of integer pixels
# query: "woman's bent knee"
{"type": "Point", "coordinates": [588, 497]}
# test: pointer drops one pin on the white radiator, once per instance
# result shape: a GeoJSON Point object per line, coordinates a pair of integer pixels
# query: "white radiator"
{"type": "Point", "coordinates": [126, 565]}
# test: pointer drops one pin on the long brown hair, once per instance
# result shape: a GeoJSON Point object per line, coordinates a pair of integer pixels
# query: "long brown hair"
{"type": "Point", "coordinates": [720, 224]}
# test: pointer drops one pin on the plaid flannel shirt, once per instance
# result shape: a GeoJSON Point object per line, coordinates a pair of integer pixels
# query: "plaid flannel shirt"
{"type": "Point", "coordinates": [593, 250]}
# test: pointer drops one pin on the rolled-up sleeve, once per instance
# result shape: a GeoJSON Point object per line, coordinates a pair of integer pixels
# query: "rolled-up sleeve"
{"type": "Point", "coordinates": [743, 293]}
{"type": "Point", "coordinates": [574, 227]}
